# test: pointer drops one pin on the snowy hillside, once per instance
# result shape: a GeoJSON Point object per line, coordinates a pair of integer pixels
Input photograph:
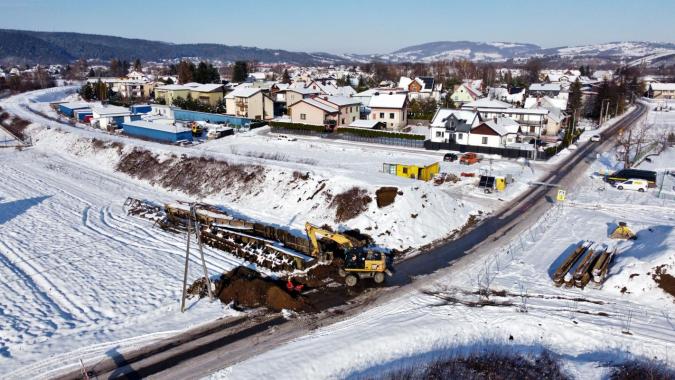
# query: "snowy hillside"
{"type": "Point", "coordinates": [502, 51]}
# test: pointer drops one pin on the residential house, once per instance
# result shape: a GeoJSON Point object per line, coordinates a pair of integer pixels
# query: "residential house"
{"type": "Point", "coordinates": [249, 102]}
{"type": "Point", "coordinates": [464, 94]}
{"type": "Point", "coordinates": [421, 88]}
{"type": "Point", "coordinates": [390, 109]}
{"type": "Point", "coordinates": [448, 123]}
{"type": "Point", "coordinates": [325, 110]}
{"type": "Point", "coordinates": [294, 94]}
{"type": "Point", "coordinates": [661, 90]}
{"type": "Point", "coordinates": [493, 133]}
{"type": "Point", "coordinates": [545, 89]}
{"type": "Point", "coordinates": [513, 95]}
{"type": "Point", "coordinates": [211, 93]}
{"type": "Point", "coordinates": [532, 121]}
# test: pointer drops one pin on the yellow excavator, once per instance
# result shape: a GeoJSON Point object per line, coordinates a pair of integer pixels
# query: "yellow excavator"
{"type": "Point", "coordinates": [359, 264]}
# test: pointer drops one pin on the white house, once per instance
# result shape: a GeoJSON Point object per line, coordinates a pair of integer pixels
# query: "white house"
{"type": "Point", "coordinates": [106, 117]}
{"type": "Point", "coordinates": [494, 133]}
{"type": "Point", "coordinates": [446, 123]}
{"type": "Point", "coordinates": [390, 109]}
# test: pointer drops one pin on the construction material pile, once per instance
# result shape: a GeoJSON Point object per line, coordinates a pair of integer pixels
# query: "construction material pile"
{"type": "Point", "coordinates": [588, 262]}
{"type": "Point", "coordinates": [265, 246]}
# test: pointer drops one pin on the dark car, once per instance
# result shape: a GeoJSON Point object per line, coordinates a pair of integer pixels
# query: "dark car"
{"type": "Point", "coordinates": [450, 157]}
{"type": "Point", "coordinates": [626, 174]}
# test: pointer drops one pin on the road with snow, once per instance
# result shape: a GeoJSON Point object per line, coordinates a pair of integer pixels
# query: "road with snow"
{"type": "Point", "coordinates": [232, 344]}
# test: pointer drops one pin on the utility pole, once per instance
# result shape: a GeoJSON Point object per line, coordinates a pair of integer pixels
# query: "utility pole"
{"type": "Point", "coordinates": [192, 216]}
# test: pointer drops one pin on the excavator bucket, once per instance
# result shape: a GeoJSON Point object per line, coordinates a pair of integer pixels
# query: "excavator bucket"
{"type": "Point", "coordinates": [623, 232]}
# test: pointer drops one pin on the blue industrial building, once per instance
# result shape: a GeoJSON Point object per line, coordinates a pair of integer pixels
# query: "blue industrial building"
{"type": "Point", "coordinates": [157, 131]}
{"type": "Point", "coordinates": [141, 108]}
{"type": "Point", "coordinates": [215, 118]}
{"type": "Point", "coordinates": [81, 114]}
{"type": "Point", "coordinates": [68, 109]}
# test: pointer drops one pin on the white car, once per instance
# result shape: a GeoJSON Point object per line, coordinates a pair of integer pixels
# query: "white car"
{"type": "Point", "coordinates": [632, 184]}
{"type": "Point", "coordinates": [595, 138]}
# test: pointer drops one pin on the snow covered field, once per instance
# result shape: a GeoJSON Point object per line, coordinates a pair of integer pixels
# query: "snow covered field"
{"type": "Point", "coordinates": [81, 279]}
{"type": "Point", "coordinates": [630, 316]}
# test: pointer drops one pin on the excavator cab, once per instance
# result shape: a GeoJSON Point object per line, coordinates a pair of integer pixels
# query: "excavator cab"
{"type": "Point", "coordinates": [623, 232]}
{"type": "Point", "coordinates": [358, 263]}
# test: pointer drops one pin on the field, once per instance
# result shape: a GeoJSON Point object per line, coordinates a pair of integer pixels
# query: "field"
{"type": "Point", "coordinates": [82, 278]}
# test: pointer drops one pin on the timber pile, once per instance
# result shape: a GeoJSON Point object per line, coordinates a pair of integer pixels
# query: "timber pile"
{"type": "Point", "coordinates": [588, 262]}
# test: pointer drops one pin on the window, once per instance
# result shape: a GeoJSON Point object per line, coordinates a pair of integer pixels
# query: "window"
{"type": "Point", "coordinates": [303, 116]}
{"type": "Point", "coordinates": [484, 140]}
{"type": "Point", "coordinates": [391, 115]}
{"type": "Point", "coordinates": [531, 129]}
{"type": "Point", "coordinates": [343, 120]}
{"type": "Point", "coordinates": [439, 134]}
{"type": "Point", "coordinates": [381, 115]}
{"type": "Point", "coordinates": [353, 118]}
{"type": "Point", "coordinates": [404, 170]}
{"type": "Point", "coordinates": [460, 136]}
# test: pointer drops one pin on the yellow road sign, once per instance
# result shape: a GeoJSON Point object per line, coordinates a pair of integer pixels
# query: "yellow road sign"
{"type": "Point", "coordinates": [561, 195]}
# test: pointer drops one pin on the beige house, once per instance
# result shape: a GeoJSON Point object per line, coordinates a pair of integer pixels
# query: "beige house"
{"type": "Point", "coordinates": [210, 93]}
{"type": "Point", "coordinates": [325, 110]}
{"type": "Point", "coordinates": [662, 90]}
{"type": "Point", "coordinates": [391, 109]}
{"type": "Point", "coordinates": [295, 94]}
{"type": "Point", "coordinates": [250, 103]}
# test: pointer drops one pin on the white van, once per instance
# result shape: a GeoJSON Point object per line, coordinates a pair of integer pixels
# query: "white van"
{"type": "Point", "coordinates": [632, 184]}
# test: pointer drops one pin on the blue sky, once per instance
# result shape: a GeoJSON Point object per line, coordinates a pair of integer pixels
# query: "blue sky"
{"type": "Point", "coordinates": [354, 26]}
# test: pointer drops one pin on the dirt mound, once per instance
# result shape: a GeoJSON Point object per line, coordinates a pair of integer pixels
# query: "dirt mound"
{"type": "Point", "coordinates": [350, 204]}
{"type": "Point", "coordinates": [246, 288]}
{"type": "Point", "coordinates": [664, 280]}
{"type": "Point", "coordinates": [384, 196]}
{"type": "Point", "coordinates": [198, 176]}
{"type": "Point", "coordinates": [198, 289]}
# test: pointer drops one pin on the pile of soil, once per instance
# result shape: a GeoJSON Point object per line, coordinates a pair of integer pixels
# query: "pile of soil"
{"type": "Point", "coordinates": [197, 176]}
{"type": "Point", "coordinates": [350, 204]}
{"type": "Point", "coordinates": [198, 289]}
{"type": "Point", "coordinates": [246, 288]}
{"type": "Point", "coordinates": [384, 196]}
{"type": "Point", "coordinates": [664, 280]}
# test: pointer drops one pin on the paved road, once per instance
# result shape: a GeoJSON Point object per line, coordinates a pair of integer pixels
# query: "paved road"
{"type": "Point", "coordinates": [199, 352]}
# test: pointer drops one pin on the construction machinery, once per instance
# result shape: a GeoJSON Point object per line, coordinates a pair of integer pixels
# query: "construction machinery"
{"type": "Point", "coordinates": [359, 263]}
{"type": "Point", "coordinates": [623, 232]}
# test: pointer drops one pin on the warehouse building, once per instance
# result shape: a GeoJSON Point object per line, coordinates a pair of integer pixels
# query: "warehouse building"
{"type": "Point", "coordinates": [68, 109]}
{"type": "Point", "coordinates": [157, 131]}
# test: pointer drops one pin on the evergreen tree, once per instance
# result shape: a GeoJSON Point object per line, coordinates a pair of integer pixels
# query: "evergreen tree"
{"type": "Point", "coordinates": [286, 78]}
{"type": "Point", "coordinates": [185, 72]}
{"type": "Point", "coordinates": [240, 71]}
{"type": "Point", "coordinates": [137, 65]}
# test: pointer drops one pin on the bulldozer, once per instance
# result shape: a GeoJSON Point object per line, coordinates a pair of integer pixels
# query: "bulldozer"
{"type": "Point", "coordinates": [359, 263]}
{"type": "Point", "coordinates": [623, 232]}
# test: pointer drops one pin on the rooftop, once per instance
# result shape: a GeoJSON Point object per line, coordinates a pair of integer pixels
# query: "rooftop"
{"type": "Point", "coordinates": [157, 126]}
{"type": "Point", "coordinates": [388, 101]}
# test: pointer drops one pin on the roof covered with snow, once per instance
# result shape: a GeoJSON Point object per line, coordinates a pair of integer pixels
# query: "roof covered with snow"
{"type": "Point", "coordinates": [663, 86]}
{"type": "Point", "coordinates": [243, 92]}
{"type": "Point", "coordinates": [486, 103]}
{"type": "Point", "coordinates": [388, 101]}
{"type": "Point", "coordinates": [442, 115]}
{"type": "Point", "coordinates": [545, 87]}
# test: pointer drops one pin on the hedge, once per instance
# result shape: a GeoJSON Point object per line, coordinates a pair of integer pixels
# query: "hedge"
{"type": "Point", "coordinates": [379, 133]}
{"type": "Point", "coordinates": [351, 131]}
{"type": "Point", "coordinates": [297, 126]}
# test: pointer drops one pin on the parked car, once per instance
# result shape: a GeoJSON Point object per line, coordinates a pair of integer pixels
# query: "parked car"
{"type": "Point", "coordinates": [451, 157]}
{"type": "Point", "coordinates": [633, 184]}
{"type": "Point", "coordinates": [469, 159]}
{"type": "Point", "coordinates": [595, 138]}
{"type": "Point", "coordinates": [626, 174]}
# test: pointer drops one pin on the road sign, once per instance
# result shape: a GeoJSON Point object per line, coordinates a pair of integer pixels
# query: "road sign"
{"type": "Point", "coordinates": [561, 195]}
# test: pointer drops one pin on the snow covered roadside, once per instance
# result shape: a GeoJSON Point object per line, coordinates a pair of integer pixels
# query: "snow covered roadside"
{"type": "Point", "coordinates": [630, 316]}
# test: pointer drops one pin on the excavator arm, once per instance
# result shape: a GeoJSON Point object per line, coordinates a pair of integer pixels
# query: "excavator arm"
{"type": "Point", "coordinates": [313, 230]}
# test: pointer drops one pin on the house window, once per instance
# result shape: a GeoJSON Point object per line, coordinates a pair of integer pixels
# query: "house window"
{"type": "Point", "coordinates": [353, 118]}
{"type": "Point", "coordinates": [404, 170]}
{"type": "Point", "coordinates": [381, 115]}
{"type": "Point", "coordinates": [439, 134]}
{"type": "Point", "coordinates": [343, 120]}
{"type": "Point", "coordinates": [460, 136]}
{"type": "Point", "coordinates": [484, 140]}
{"type": "Point", "coordinates": [531, 129]}
{"type": "Point", "coordinates": [303, 116]}
{"type": "Point", "coordinates": [391, 115]}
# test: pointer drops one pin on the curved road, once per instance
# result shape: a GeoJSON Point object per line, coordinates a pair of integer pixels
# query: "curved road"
{"type": "Point", "coordinates": [222, 343]}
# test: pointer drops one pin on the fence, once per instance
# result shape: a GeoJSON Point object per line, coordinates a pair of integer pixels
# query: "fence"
{"type": "Point", "coordinates": [504, 152]}
{"type": "Point", "coordinates": [186, 115]}
{"type": "Point", "coordinates": [349, 137]}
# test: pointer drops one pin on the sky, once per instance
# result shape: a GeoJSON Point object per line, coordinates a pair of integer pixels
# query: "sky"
{"type": "Point", "coordinates": [351, 26]}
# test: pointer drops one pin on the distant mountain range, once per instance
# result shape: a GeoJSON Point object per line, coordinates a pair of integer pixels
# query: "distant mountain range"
{"type": "Point", "coordinates": [18, 46]}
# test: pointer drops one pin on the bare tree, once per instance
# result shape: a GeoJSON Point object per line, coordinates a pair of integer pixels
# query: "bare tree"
{"type": "Point", "coordinates": [632, 142]}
